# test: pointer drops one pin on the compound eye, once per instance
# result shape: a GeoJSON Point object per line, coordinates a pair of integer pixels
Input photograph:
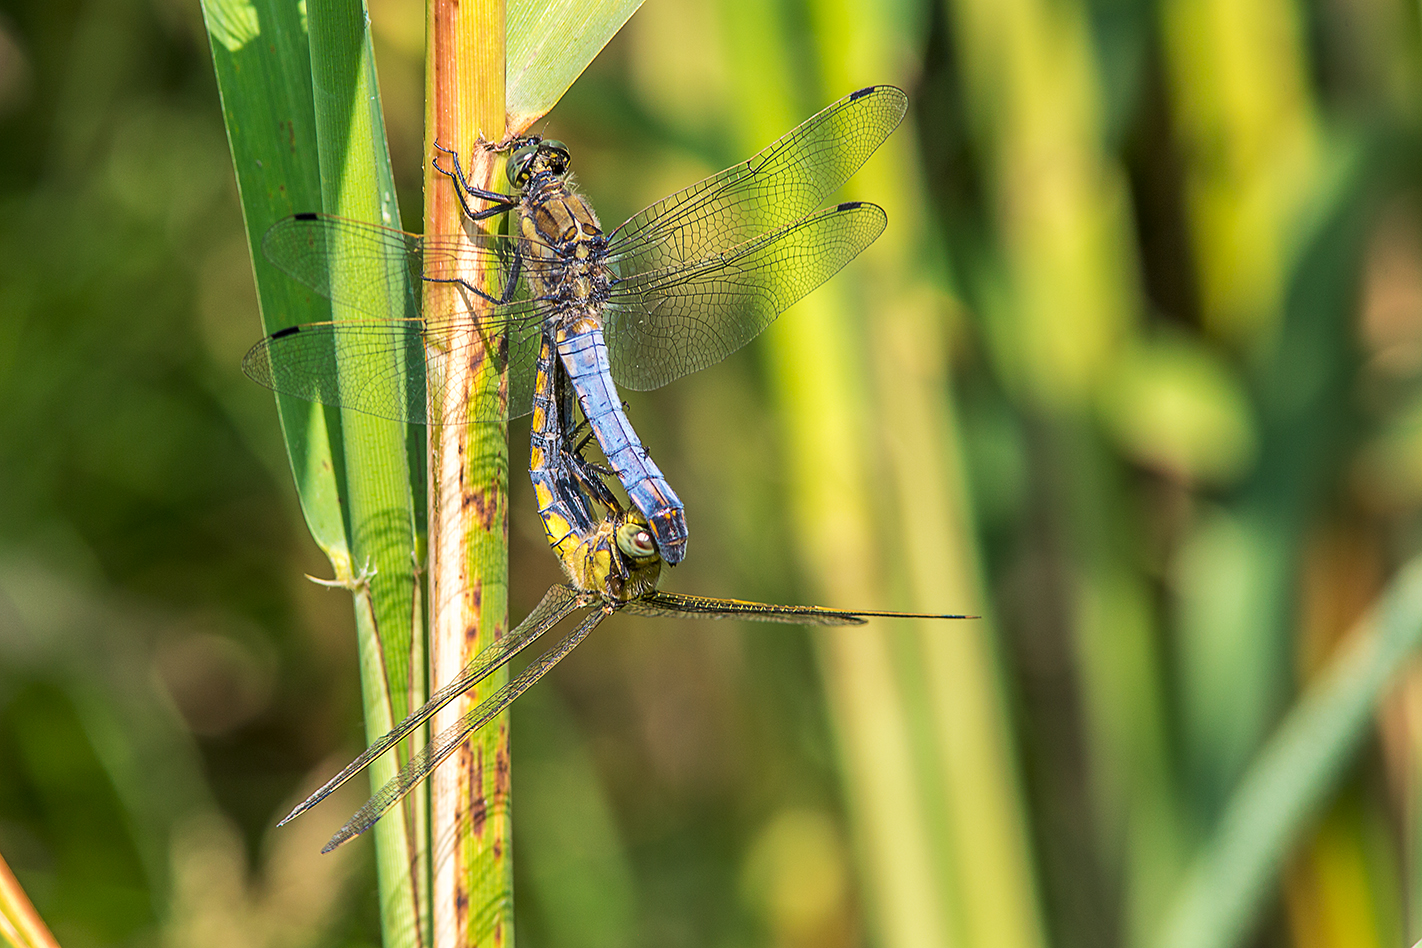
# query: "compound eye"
{"type": "Point", "coordinates": [521, 164]}
{"type": "Point", "coordinates": [557, 155]}
{"type": "Point", "coordinates": [636, 541]}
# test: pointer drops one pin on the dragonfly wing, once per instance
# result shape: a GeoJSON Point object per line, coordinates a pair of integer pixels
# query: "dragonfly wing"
{"type": "Point", "coordinates": [523, 341]}
{"type": "Point", "coordinates": [388, 368]}
{"type": "Point", "coordinates": [781, 184]}
{"type": "Point", "coordinates": [448, 740]}
{"type": "Point", "coordinates": [665, 324]}
{"type": "Point", "coordinates": [682, 606]}
{"type": "Point", "coordinates": [381, 271]}
{"type": "Point", "coordinates": [556, 604]}
{"type": "Point", "coordinates": [377, 269]}
{"type": "Point", "coordinates": [373, 366]}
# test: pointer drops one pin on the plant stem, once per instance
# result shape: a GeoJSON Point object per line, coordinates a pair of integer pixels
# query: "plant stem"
{"type": "Point", "coordinates": [472, 870]}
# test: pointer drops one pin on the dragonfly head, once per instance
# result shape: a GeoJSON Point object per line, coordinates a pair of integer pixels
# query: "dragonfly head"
{"type": "Point", "coordinates": [537, 156]}
{"type": "Point", "coordinates": [635, 541]}
{"type": "Point", "coordinates": [641, 562]}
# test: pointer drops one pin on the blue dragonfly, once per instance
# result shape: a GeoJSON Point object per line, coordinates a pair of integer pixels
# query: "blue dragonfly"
{"type": "Point", "coordinates": [676, 288]}
{"type": "Point", "coordinates": [613, 565]}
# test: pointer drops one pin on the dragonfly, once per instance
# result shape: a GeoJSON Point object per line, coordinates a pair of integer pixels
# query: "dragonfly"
{"type": "Point", "coordinates": [677, 287]}
{"type": "Point", "coordinates": [613, 565]}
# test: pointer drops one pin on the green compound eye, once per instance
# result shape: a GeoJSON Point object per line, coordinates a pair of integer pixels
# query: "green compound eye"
{"type": "Point", "coordinates": [634, 540]}
{"type": "Point", "coordinates": [555, 155]}
{"type": "Point", "coordinates": [521, 164]}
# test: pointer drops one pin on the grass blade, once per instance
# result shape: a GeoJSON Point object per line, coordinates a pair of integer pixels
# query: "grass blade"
{"type": "Point", "coordinates": [550, 43]}
{"type": "Point", "coordinates": [359, 504]}
{"type": "Point", "coordinates": [263, 67]}
{"type": "Point", "coordinates": [382, 466]}
{"type": "Point", "coordinates": [1292, 776]}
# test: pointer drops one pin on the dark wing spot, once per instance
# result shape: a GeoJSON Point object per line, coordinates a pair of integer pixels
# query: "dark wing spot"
{"type": "Point", "coordinates": [305, 216]}
{"type": "Point", "coordinates": [849, 205]}
{"type": "Point", "coordinates": [288, 331]}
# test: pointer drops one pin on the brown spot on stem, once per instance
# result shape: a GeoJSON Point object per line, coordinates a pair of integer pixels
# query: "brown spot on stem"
{"type": "Point", "coordinates": [478, 806]}
{"type": "Point", "coordinates": [483, 507]}
{"type": "Point", "coordinates": [461, 904]}
{"type": "Point", "coordinates": [501, 763]}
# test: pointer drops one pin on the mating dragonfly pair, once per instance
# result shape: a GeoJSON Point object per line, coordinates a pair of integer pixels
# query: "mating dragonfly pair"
{"type": "Point", "coordinates": [676, 288]}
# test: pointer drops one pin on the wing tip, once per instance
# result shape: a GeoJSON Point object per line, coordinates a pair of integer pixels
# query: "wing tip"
{"type": "Point", "coordinates": [882, 87]}
{"type": "Point", "coordinates": [347, 832]}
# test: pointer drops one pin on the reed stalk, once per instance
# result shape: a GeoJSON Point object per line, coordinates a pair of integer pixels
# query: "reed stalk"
{"type": "Point", "coordinates": [1061, 213]}
{"type": "Point", "coordinates": [971, 787]}
{"type": "Point", "coordinates": [20, 925]}
{"type": "Point", "coordinates": [468, 493]}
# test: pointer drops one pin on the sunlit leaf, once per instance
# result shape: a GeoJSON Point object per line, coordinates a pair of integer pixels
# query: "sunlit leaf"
{"type": "Point", "coordinates": [550, 43]}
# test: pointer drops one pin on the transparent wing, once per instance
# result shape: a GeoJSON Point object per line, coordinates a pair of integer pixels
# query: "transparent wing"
{"type": "Point", "coordinates": [387, 368]}
{"type": "Point", "coordinates": [557, 603]}
{"type": "Point", "coordinates": [681, 606]}
{"type": "Point", "coordinates": [781, 184]}
{"type": "Point", "coordinates": [669, 323]}
{"type": "Point", "coordinates": [381, 366]}
{"type": "Point", "coordinates": [448, 740]}
{"type": "Point", "coordinates": [381, 271]}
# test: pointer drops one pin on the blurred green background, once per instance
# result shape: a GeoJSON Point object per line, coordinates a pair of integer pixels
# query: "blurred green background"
{"type": "Point", "coordinates": [1136, 373]}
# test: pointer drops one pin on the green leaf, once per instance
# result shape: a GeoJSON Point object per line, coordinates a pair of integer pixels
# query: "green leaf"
{"type": "Point", "coordinates": [360, 479]}
{"type": "Point", "coordinates": [550, 43]}
{"type": "Point", "coordinates": [1290, 779]}
{"type": "Point", "coordinates": [266, 104]}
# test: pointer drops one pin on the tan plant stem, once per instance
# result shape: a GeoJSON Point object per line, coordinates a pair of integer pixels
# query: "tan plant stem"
{"type": "Point", "coordinates": [470, 817]}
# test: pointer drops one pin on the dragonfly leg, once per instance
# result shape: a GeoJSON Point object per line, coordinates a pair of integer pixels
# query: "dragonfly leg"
{"type": "Point", "coordinates": [466, 284]}
{"type": "Point", "coordinates": [510, 285]}
{"type": "Point", "coordinates": [502, 202]}
{"type": "Point", "coordinates": [588, 474]}
{"type": "Point", "coordinates": [589, 477]}
{"type": "Point", "coordinates": [515, 268]}
{"type": "Point", "coordinates": [583, 464]}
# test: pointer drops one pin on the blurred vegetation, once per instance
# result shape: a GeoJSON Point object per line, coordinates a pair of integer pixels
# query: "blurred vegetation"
{"type": "Point", "coordinates": [1136, 373]}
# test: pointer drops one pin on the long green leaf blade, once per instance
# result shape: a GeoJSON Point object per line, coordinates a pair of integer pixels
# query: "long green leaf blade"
{"type": "Point", "coordinates": [356, 182]}
{"type": "Point", "coordinates": [550, 43]}
{"type": "Point", "coordinates": [263, 68]}
{"type": "Point", "coordinates": [1293, 775]}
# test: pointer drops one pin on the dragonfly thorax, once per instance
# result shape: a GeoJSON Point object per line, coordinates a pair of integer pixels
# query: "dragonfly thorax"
{"type": "Point", "coordinates": [560, 218]}
{"type": "Point", "coordinates": [563, 245]}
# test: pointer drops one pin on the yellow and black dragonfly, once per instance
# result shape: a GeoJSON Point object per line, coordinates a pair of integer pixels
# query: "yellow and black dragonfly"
{"type": "Point", "coordinates": [613, 565]}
